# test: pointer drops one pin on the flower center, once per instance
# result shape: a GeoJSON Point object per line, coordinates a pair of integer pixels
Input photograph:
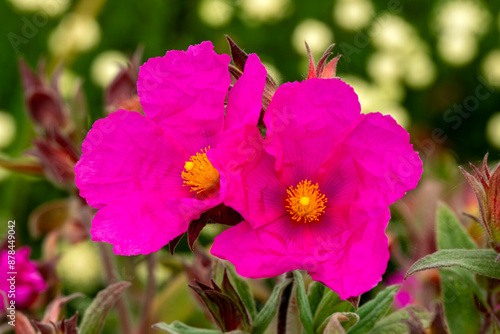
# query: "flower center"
{"type": "Point", "coordinates": [199, 173]}
{"type": "Point", "coordinates": [305, 203]}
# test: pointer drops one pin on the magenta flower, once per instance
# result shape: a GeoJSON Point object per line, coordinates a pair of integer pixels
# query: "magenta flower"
{"type": "Point", "coordinates": [28, 282]}
{"type": "Point", "coordinates": [150, 176]}
{"type": "Point", "coordinates": [315, 193]}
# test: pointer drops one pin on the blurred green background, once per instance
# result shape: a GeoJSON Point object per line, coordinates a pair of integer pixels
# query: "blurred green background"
{"type": "Point", "coordinates": [433, 65]}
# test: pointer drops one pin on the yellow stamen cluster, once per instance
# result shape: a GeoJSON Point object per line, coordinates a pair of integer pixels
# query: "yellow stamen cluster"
{"type": "Point", "coordinates": [199, 173]}
{"type": "Point", "coordinates": [305, 203]}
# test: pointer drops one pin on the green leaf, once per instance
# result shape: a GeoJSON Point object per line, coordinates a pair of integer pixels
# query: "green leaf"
{"type": "Point", "coordinates": [397, 322]}
{"type": "Point", "coordinates": [179, 328]}
{"type": "Point", "coordinates": [450, 232]}
{"type": "Point", "coordinates": [316, 292]}
{"type": "Point", "coordinates": [93, 319]}
{"type": "Point", "coordinates": [329, 304]}
{"type": "Point", "coordinates": [305, 313]}
{"type": "Point", "coordinates": [480, 261]}
{"type": "Point", "coordinates": [457, 285]}
{"type": "Point", "coordinates": [264, 317]}
{"type": "Point", "coordinates": [243, 290]}
{"type": "Point", "coordinates": [460, 311]}
{"type": "Point", "coordinates": [374, 310]}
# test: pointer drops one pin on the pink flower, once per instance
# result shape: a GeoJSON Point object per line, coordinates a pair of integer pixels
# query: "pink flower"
{"type": "Point", "coordinates": [150, 176]}
{"type": "Point", "coordinates": [408, 292]}
{"type": "Point", "coordinates": [315, 193]}
{"type": "Point", "coordinates": [28, 282]}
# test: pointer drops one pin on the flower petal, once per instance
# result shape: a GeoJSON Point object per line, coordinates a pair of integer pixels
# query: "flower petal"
{"type": "Point", "coordinates": [305, 121]}
{"type": "Point", "coordinates": [384, 162]}
{"type": "Point", "coordinates": [186, 89]}
{"type": "Point", "coordinates": [360, 264]}
{"type": "Point", "coordinates": [127, 152]}
{"type": "Point", "coordinates": [310, 105]}
{"type": "Point", "coordinates": [245, 98]}
{"type": "Point", "coordinates": [143, 222]}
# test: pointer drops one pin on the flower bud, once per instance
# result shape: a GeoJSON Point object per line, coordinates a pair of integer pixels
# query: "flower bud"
{"type": "Point", "coordinates": [122, 92]}
{"type": "Point", "coordinates": [325, 69]}
{"type": "Point", "coordinates": [486, 186]}
{"type": "Point", "coordinates": [45, 104]}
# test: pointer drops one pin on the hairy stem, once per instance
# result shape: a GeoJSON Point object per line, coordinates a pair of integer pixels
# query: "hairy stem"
{"type": "Point", "coordinates": [145, 322]}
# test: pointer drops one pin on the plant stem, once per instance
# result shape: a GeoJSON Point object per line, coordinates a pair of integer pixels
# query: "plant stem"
{"type": "Point", "coordinates": [122, 308]}
{"type": "Point", "coordinates": [145, 322]}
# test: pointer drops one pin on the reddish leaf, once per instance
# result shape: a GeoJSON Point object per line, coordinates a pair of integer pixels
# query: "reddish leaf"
{"type": "Point", "coordinates": [174, 242]}
{"type": "Point", "coordinates": [194, 230]}
{"type": "Point", "coordinates": [312, 69]}
{"type": "Point", "coordinates": [237, 54]}
{"type": "Point", "coordinates": [23, 325]}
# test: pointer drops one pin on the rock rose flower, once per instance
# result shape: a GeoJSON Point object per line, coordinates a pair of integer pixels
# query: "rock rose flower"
{"type": "Point", "coordinates": [151, 175]}
{"type": "Point", "coordinates": [28, 280]}
{"type": "Point", "coordinates": [315, 193]}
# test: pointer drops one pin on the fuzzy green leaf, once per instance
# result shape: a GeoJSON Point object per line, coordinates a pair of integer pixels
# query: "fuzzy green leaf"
{"type": "Point", "coordinates": [264, 317]}
{"type": "Point", "coordinates": [93, 319]}
{"type": "Point", "coordinates": [315, 294]}
{"type": "Point", "coordinates": [305, 313]}
{"type": "Point", "coordinates": [397, 322]}
{"type": "Point", "coordinates": [480, 261]}
{"type": "Point", "coordinates": [460, 311]}
{"type": "Point", "coordinates": [450, 232]}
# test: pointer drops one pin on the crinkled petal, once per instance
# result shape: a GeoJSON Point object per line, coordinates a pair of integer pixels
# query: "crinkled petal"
{"type": "Point", "coordinates": [184, 91]}
{"type": "Point", "coordinates": [304, 121]}
{"type": "Point", "coordinates": [310, 105]}
{"type": "Point", "coordinates": [126, 152]}
{"type": "Point", "coordinates": [360, 264]}
{"type": "Point", "coordinates": [143, 222]}
{"type": "Point", "coordinates": [245, 98]}
{"type": "Point", "coordinates": [384, 163]}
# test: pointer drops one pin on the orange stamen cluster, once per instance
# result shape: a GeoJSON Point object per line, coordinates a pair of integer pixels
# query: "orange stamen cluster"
{"type": "Point", "coordinates": [199, 173]}
{"type": "Point", "coordinates": [305, 203]}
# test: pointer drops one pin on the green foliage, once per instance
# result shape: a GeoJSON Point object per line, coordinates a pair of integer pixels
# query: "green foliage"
{"type": "Point", "coordinates": [398, 322]}
{"type": "Point", "coordinates": [264, 317]}
{"type": "Point", "coordinates": [95, 315]}
{"type": "Point", "coordinates": [450, 232]}
{"type": "Point", "coordinates": [480, 261]}
{"type": "Point", "coordinates": [460, 310]}
{"type": "Point", "coordinates": [316, 291]}
{"type": "Point", "coordinates": [306, 317]}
